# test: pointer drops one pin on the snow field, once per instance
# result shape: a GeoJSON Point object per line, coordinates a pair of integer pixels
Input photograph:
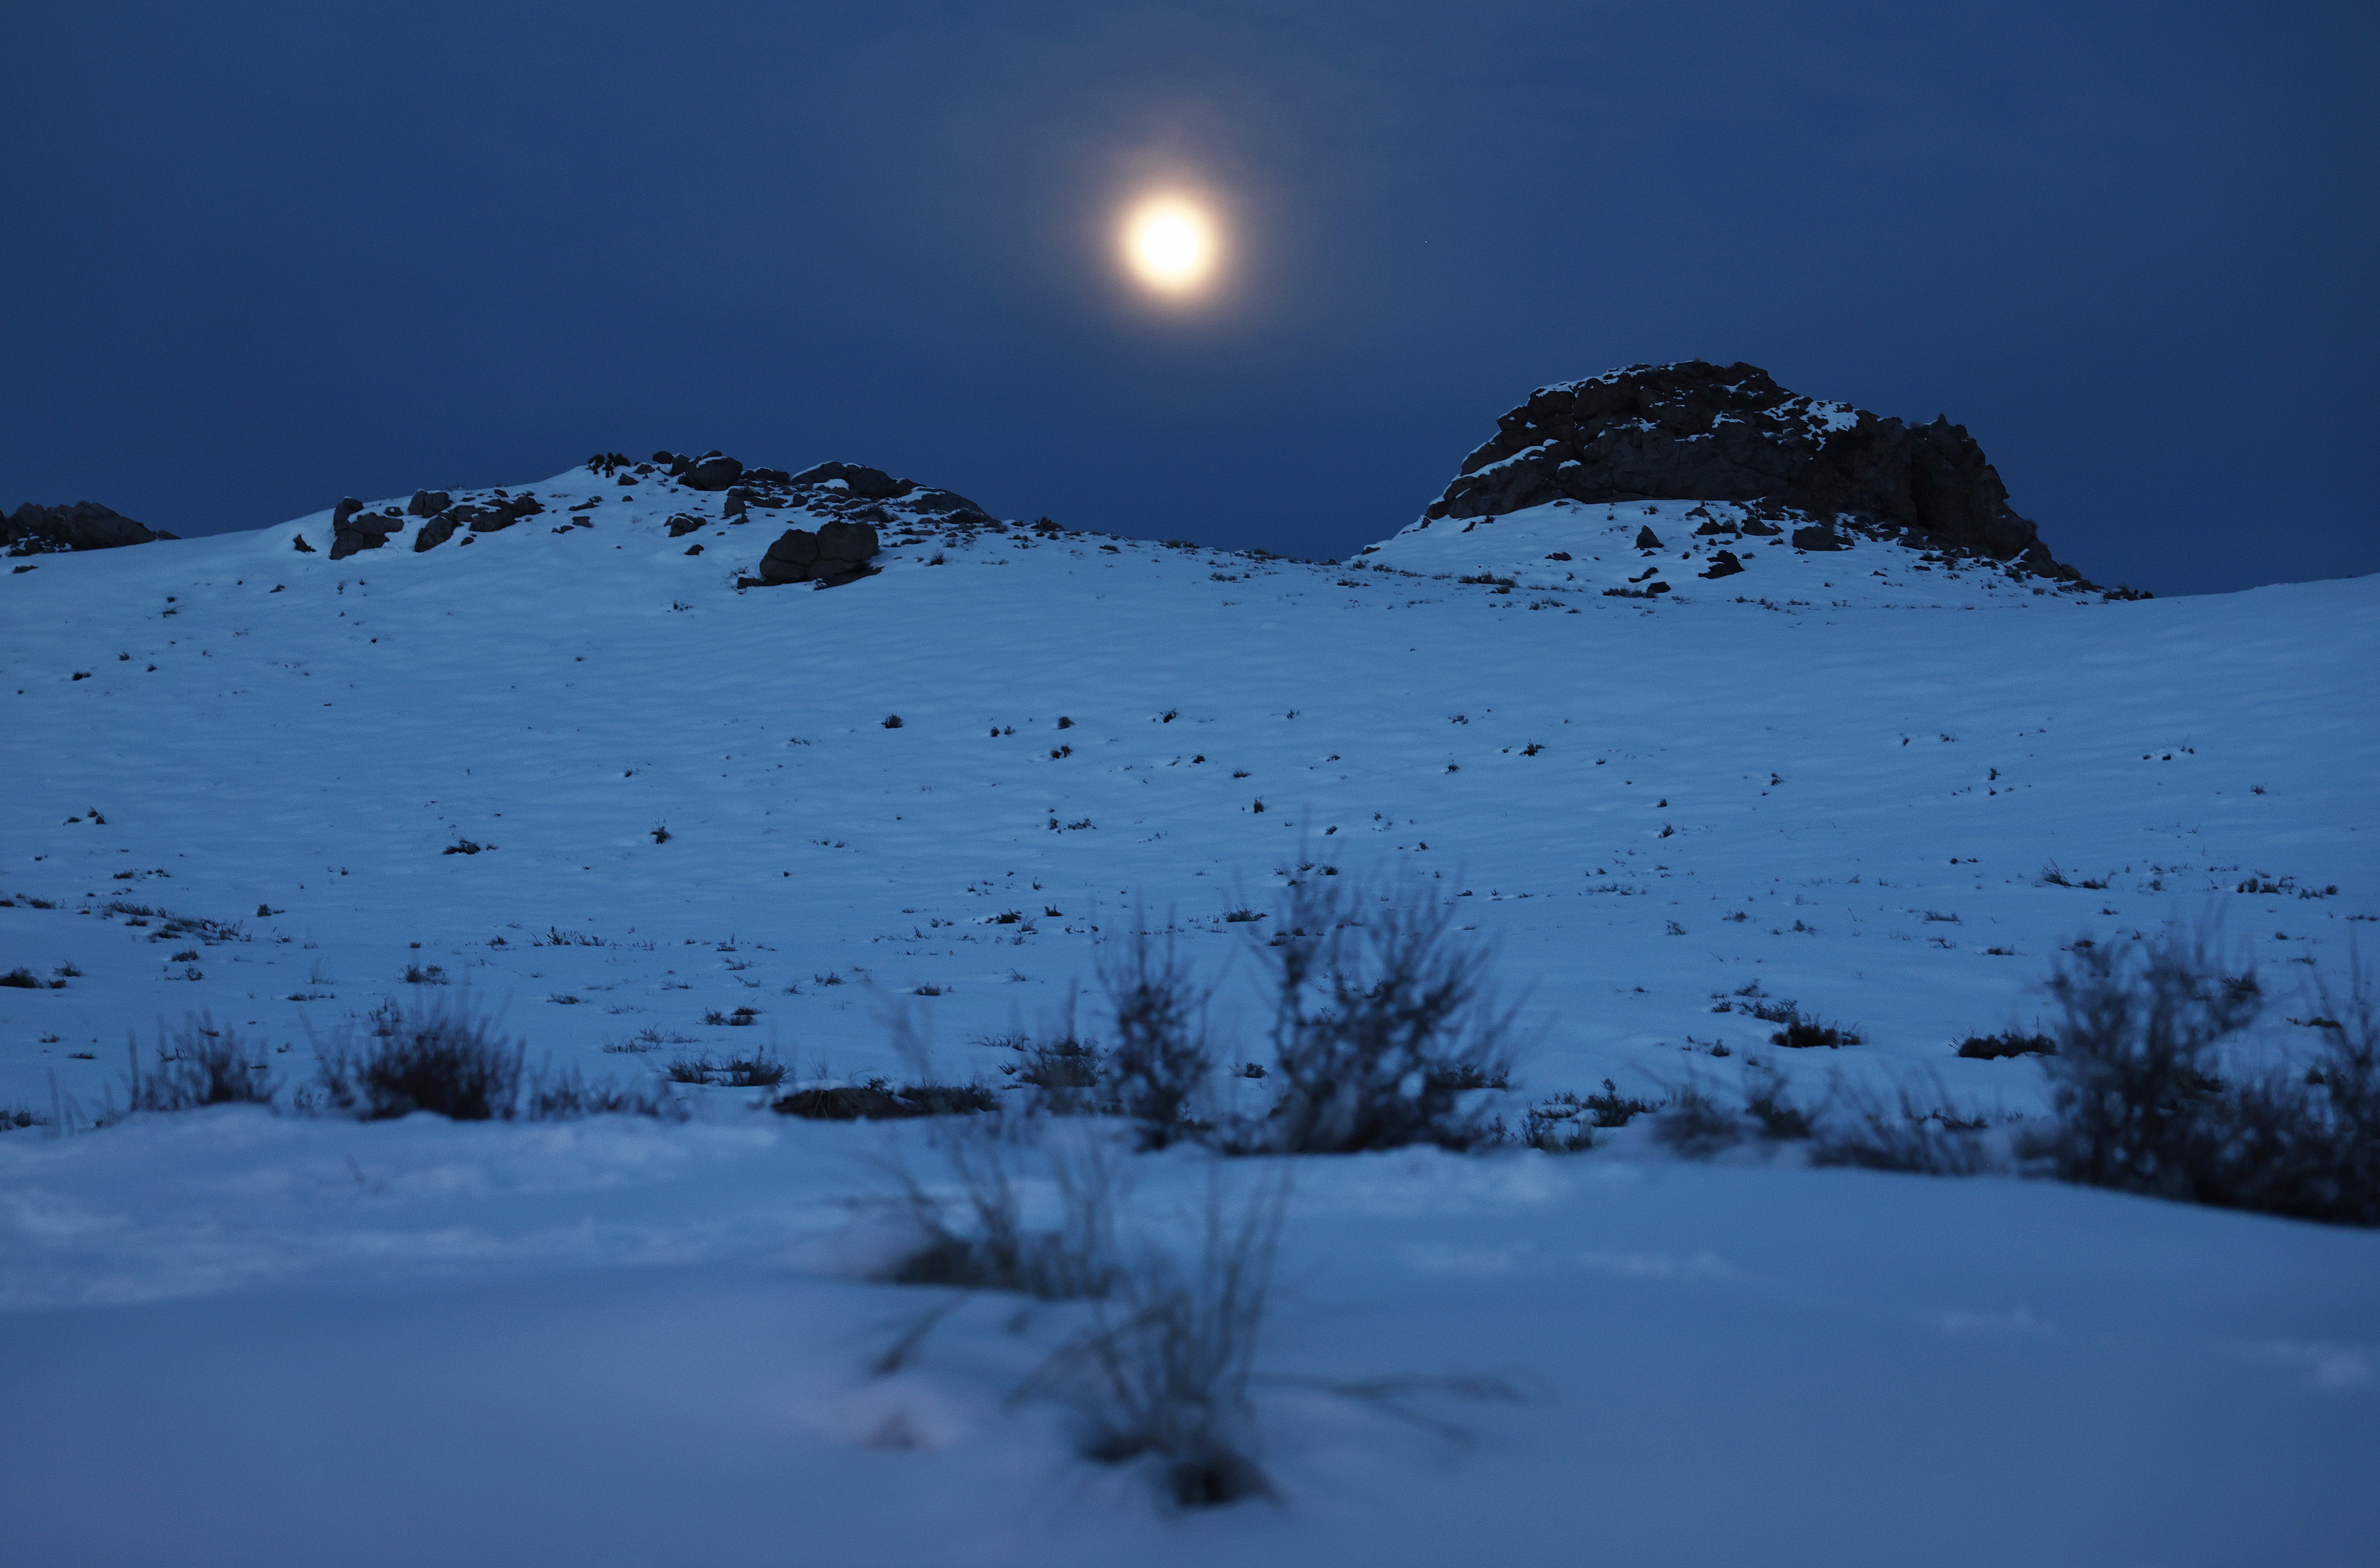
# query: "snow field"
{"type": "Point", "coordinates": [663, 1326]}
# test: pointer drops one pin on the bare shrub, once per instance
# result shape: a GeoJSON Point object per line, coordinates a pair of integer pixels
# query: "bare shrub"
{"type": "Point", "coordinates": [2136, 1039]}
{"type": "Point", "coordinates": [1567, 1122]}
{"type": "Point", "coordinates": [979, 1239]}
{"type": "Point", "coordinates": [440, 1055]}
{"type": "Point", "coordinates": [567, 1095]}
{"type": "Point", "coordinates": [1163, 1057]}
{"type": "Point", "coordinates": [1773, 1111]}
{"type": "Point", "coordinates": [1693, 1123]}
{"type": "Point", "coordinates": [1904, 1136]}
{"type": "Point", "coordinates": [1558, 1125]}
{"type": "Point", "coordinates": [1810, 1032]}
{"type": "Point", "coordinates": [752, 1069]}
{"type": "Point", "coordinates": [1160, 1375]}
{"type": "Point", "coordinates": [1382, 1022]}
{"type": "Point", "coordinates": [1062, 1074]}
{"type": "Point", "coordinates": [200, 1065]}
{"type": "Point", "coordinates": [2139, 1106]}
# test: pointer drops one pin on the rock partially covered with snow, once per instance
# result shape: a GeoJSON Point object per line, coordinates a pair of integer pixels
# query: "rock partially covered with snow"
{"type": "Point", "coordinates": [85, 525]}
{"type": "Point", "coordinates": [1701, 432]}
{"type": "Point", "coordinates": [837, 552]}
{"type": "Point", "coordinates": [354, 529]}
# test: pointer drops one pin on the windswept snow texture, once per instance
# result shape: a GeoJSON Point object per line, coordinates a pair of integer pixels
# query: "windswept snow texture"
{"type": "Point", "coordinates": [571, 769]}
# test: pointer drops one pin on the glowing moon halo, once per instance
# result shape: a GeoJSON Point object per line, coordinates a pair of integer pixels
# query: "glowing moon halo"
{"type": "Point", "coordinates": [1170, 244]}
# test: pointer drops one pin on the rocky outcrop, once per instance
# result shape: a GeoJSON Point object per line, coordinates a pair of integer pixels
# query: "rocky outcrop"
{"type": "Point", "coordinates": [1702, 431]}
{"type": "Point", "coordinates": [837, 554]}
{"type": "Point", "coordinates": [712, 472]}
{"type": "Point", "coordinates": [84, 525]}
{"type": "Point", "coordinates": [872, 484]}
{"type": "Point", "coordinates": [353, 529]}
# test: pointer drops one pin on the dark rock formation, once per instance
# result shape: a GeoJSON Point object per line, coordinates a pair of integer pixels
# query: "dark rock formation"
{"type": "Point", "coordinates": [353, 529]}
{"type": "Point", "coordinates": [838, 552]}
{"type": "Point", "coordinates": [85, 525]}
{"type": "Point", "coordinates": [945, 502]}
{"type": "Point", "coordinates": [1724, 565]}
{"type": "Point", "coordinates": [494, 514]}
{"type": "Point", "coordinates": [1704, 432]}
{"type": "Point", "coordinates": [874, 484]}
{"type": "Point", "coordinates": [712, 472]}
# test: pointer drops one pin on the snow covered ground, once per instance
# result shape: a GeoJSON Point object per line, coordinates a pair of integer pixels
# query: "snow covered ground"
{"type": "Point", "coordinates": [237, 1337]}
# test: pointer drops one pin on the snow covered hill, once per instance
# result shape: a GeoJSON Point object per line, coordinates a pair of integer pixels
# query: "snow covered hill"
{"type": "Point", "coordinates": [571, 765]}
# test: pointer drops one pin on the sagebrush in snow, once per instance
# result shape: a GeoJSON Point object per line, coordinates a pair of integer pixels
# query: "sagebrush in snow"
{"type": "Point", "coordinates": [200, 1064]}
{"type": "Point", "coordinates": [1693, 1123]}
{"type": "Point", "coordinates": [2139, 1105]}
{"type": "Point", "coordinates": [440, 1055]}
{"type": "Point", "coordinates": [1868, 1132]}
{"type": "Point", "coordinates": [1160, 1374]}
{"type": "Point", "coordinates": [1163, 1057]}
{"type": "Point", "coordinates": [567, 1095]}
{"type": "Point", "coordinates": [978, 1238]}
{"type": "Point", "coordinates": [1382, 1022]}
{"type": "Point", "coordinates": [2134, 1068]}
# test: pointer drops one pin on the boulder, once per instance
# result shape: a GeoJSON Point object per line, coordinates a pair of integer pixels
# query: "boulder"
{"type": "Point", "coordinates": [435, 532]}
{"type": "Point", "coordinates": [837, 552]}
{"type": "Point", "coordinates": [481, 520]}
{"type": "Point", "coordinates": [1696, 430]}
{"type": "Point", "coordinates": [683, 524]}
{"type": "Point", "coordinates": [83, 525]}
{"type": "Point", "coordinates": [850, 542]}
{"type": "Point", "coordinates": [712, 472]}
{"type": "Point", "coordinates": [1647, 539]}
{"type": "Point", "coordinates": [873, 485]}
{"type": "Point", "coordinates": [791, 558]}
{"type": "Point", "coordinates": [1724, 565]}
{"type": "Point", "coordinates": [428, 503]}
{"type": "Point", "coordinates": [945, 502]}
{"type": "Point", "coordinates": [353, 529]}
{"type": "Point", "coordinates": [496, 514]}
{"type": "Point", "coordinates": [1818, 536]}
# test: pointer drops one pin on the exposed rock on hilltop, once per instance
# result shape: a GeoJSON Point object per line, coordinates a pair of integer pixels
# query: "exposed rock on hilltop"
{"type": "Point", "coordinates": [841, 504]}
{"type": "Point", "coordinates": [86, 525]}
{"type": "Point", "coordinates": [1695, 430]}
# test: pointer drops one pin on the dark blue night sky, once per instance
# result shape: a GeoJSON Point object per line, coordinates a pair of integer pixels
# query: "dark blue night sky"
{"type": "Point", "coordinates": [259, 257]}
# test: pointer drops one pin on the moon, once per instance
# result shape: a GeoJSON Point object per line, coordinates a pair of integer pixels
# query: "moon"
{"type": "Point", "coordinates": [1170, 244]}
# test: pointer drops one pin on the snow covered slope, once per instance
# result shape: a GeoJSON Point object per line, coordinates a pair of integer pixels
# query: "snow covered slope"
{"type": "Point", "coordinates": [572, 766]}
{"type": "Point", "coordinates": [1569, 547]}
